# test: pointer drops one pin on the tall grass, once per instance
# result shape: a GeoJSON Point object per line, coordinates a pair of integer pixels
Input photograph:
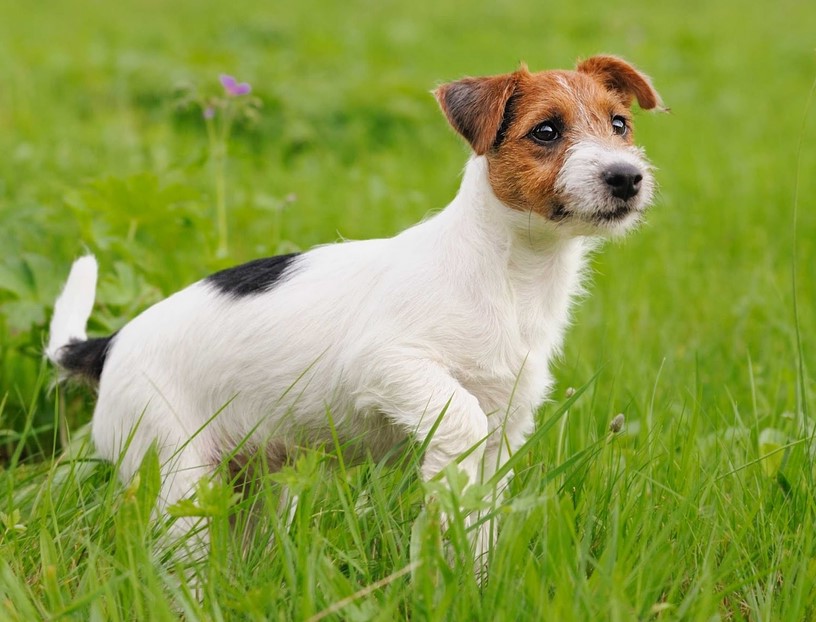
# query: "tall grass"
{"type": "Point", "coordinates": [699, 327]}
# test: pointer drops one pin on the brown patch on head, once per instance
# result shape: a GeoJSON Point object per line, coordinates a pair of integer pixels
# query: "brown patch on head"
{"type": "Point", "coordinates": [499, 116]}
{"type": "Point", "coordinates": [522, 169]}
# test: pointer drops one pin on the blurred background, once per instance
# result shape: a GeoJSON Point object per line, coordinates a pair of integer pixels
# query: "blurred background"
{"type": "Point", "coordinates": [98, 152]}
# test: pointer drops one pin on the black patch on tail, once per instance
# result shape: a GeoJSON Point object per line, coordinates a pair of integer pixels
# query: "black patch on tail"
{"type": "Point", "coordinates": [255, 277]}
{"type": "Point", "coordinates": [85, 358]}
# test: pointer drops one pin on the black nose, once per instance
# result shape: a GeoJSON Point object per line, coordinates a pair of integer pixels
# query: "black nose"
{"type": "Point", "coordinates": [623, 180]}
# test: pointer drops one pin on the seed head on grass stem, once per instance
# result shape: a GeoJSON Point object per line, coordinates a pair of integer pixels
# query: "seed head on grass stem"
{"type": "Point", "coordinates": [617, 423]}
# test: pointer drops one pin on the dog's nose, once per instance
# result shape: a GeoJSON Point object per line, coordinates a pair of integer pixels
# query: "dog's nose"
{"type": "Point", "coordinates": [623, 180]}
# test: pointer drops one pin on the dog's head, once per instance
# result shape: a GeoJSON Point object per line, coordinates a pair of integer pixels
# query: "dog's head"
{"type": "Point", "coordinates": [560, 143]}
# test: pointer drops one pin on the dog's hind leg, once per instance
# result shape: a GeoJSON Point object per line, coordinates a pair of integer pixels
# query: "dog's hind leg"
{"type": "Point", "coordinates": [125, 434]}
{"type": "Point", "coordinates": [181, 472]}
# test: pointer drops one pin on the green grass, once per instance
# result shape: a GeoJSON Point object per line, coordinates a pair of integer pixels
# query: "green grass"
{"type": "Point", "coordinates": [700, 327]}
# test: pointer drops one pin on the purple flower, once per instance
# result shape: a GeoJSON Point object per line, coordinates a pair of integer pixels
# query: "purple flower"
{"type": "Point", "coordinates": [233, 87]}
{"type": "Point", "coordinates": [209, 112]}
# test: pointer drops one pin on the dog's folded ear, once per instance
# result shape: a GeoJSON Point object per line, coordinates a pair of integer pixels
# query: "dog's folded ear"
{"type": "Point", "coordinates": [619, 76]}
{"type": "Point", "coordinates": [475, 107]}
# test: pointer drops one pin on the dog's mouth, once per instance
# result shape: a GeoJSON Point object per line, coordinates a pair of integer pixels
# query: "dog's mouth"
{"type": "Point", "coordinates": [559, 212]}
{"type": "Point", "coordinates": [618, 213]}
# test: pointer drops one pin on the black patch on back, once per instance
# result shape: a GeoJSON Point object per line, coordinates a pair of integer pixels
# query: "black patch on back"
{"type": "Point", "coordinates": [85, 358]}
{"type": "Point", "coordinates": [255, 277]}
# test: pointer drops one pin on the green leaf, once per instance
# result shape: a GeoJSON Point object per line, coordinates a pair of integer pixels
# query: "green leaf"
{"type": "Point", "coordinates": [771, 441]}
{"type": "Point", "coordinates": [149, 483]}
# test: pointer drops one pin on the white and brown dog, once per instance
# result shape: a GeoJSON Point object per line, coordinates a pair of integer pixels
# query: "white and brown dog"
{"type": "Point", "coordinates": [459, 314]}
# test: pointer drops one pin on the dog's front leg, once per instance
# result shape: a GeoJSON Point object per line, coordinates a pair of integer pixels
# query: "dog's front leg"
{"type": "Point", "coordinates": [423, 398]}
{"type": "Point", "coordinates": [502, 444]}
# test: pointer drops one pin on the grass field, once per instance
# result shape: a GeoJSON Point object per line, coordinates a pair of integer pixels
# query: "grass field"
{"type": "Point", "coordinates": [700, 327]}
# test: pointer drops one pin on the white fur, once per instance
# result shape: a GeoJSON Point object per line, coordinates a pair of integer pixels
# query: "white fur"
{"type": "Point", "coordinates": [587, 195]}
{"type": "Point", "coordinates": [73, 307]}
{"type": "Point", "coordinates": [468, 306]}
{"type": "Point", "coordinates": [464, 310]}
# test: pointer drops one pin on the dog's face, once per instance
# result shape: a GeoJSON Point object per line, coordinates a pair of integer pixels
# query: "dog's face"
{"type": "Point", "coordinates": [559, 143]}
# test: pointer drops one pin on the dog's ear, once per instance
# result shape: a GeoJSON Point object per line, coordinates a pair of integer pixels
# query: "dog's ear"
{"type": "Point", "coordinates": [619, 76]}
{"type": "Point", "coordinates": [475, 107]}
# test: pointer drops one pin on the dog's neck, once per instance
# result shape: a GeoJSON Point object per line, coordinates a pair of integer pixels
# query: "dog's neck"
{"type": "Point", "coordinates": [514, 252]}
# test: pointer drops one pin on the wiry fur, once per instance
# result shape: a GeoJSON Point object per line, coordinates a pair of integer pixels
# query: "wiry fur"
{"type": "Point", "coordinates": [461, 313]}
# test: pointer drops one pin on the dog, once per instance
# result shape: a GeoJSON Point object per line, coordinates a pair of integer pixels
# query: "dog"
{"type": "Point", "coordinates": [443, 334]}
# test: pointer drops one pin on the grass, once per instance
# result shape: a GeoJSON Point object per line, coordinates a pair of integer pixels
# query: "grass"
{"type": "Point", "coordinates": [700, 327]}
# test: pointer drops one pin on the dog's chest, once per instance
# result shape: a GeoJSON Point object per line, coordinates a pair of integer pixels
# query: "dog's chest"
{"type": "Point", "coordinates": [505, 359]}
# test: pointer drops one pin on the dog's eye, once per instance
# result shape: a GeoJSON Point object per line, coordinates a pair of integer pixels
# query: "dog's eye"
{"type": "Point", "coordinates": [545, 132]}
{"type": "Point", "coordinates": [619, 126]}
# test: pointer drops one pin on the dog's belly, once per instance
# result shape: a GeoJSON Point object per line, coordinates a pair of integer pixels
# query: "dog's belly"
{"type": "Point", "coordinates": [370, 436]}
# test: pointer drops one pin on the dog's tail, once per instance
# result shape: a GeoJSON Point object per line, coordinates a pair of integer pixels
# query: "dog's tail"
{"type": "Point", "coordinates": [68, 346]}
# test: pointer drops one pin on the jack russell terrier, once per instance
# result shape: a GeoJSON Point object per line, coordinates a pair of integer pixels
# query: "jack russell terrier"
{"type": "Point", "coordinates": [372, 340]}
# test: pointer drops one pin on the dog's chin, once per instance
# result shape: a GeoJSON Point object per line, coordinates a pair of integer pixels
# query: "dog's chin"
{"type": "Point", "coordinates": [620, 225]}
{"type": "Point", "coordinates": [611, 221]}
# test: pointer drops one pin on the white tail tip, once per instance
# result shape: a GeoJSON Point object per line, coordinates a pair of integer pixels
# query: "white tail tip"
{"type": "Point", "coordinates": [73, 307]}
